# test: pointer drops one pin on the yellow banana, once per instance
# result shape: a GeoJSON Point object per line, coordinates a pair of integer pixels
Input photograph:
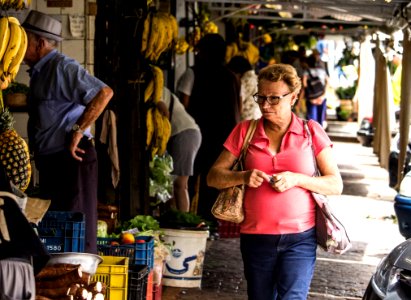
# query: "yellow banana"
{"type": "Point", "coordinates": [168, 37]}
{"type": "Point", "coordinates": [159, 129]}
{"type": "Point", "coordinates": [150, 126]}
{"type": "Point", "coordinates": [153, 36]}
{"type": "Point", "coordinates": [166, 135]}
{"type": "Point", "coordinates": [158, 78]}
{"type": "Point", "coordinates": [148, 92]}
{"type": "Point", "coordinates": [12, 46]}
{"type": "Point", "coordinates": [4, 35]}
{"type": "Point", "coordinates": [174, 26]}
{"type": "Point", "coordinates": [146, 33]}
{"type": "Point", "coordinates": [18, 58]}
{"type": "Point", "coordinates": [14, 20]}
{"type": "Point", "coordinates": [158, 45]}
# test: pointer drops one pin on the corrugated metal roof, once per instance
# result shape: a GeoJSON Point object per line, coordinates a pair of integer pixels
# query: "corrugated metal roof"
{"type": "Point", "coordinates": [379, 13]}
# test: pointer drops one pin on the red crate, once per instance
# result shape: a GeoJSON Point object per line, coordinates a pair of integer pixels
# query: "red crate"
{"type": "Point", "coordinates": [228, 229]}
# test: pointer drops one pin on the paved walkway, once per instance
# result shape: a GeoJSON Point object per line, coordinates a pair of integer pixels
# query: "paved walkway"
{"type": "Point", "coordinates": [365, 208]}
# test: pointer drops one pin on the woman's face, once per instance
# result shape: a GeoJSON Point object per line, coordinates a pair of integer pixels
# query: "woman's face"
{"type": "Point", "coordinates": [281, 98]}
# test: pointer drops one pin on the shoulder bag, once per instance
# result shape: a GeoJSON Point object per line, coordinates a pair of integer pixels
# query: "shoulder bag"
{"type": "Point", "coordinates": [331, 234]}
{"type": "Point", "coordinates": [229, 203]}
{"type": "Point", "coordinates": [315, 88]}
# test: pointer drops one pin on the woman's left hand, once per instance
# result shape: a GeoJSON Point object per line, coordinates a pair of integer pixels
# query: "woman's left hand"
{"type": "Point", "coordinates": [283, 181]}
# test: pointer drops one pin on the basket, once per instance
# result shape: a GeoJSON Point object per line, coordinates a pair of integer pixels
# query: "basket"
{"type": "Point", "coordinates": [139, 253]}
{"type": "Point", "coordinates": [228, 229]}
{"type": "Point", "coordinates": [137, 282]}
{"type": "Point", "coordinates": [62, 231]}
{"type": "Point", "coordinates": [113, 272]}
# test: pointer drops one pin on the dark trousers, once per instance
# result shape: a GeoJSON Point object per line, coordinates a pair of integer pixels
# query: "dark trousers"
{"type": "Point", "coordinates": [71, 185]}
{"type": "Point", "coordinates": [278, 266]}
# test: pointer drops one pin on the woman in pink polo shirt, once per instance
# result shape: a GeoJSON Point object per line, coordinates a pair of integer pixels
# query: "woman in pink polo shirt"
{"type": "Point", "coordinates": [278, 241]}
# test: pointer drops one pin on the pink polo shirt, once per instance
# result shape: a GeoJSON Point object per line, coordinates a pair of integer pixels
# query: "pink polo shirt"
{"type": "Point", "coordinates": [268, 211]}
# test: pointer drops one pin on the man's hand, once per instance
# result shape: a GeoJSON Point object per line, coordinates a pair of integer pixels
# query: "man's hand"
{"type": "Point", "coordinates": [73, 148]}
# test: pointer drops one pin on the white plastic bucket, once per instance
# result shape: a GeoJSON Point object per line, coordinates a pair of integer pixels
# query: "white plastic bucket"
{"type": "Point", "coordinates": [185, 268]}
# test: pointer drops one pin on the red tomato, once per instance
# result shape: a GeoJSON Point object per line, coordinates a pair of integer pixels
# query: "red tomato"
{"type": "Point", "coordinates": [140, 241]}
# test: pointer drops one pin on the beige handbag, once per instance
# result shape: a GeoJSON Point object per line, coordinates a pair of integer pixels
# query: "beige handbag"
{"type": "Point", "coordinates": [229, 203]}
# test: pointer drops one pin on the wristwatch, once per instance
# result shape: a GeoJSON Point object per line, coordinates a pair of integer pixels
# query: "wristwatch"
{"type": "Point", "coordinates": [76, 128]}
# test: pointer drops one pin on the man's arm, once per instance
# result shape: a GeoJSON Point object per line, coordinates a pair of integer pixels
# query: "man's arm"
{"type": "Point", "coordinates": [91, 113]}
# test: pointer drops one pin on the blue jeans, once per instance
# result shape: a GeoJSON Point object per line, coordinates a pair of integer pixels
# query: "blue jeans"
{"type": "Point", "coordinates": [278, 266]}
{"type": "Point", "coordinates": [317, 112]}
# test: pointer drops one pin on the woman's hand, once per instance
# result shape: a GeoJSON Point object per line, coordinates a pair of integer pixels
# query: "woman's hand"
{"type": "Point", "coordinates": [283, 181]}
{"type": "Point", "coordinates": [255, 178]}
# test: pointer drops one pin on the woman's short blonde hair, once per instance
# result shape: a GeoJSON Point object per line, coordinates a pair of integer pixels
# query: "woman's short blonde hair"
{"type": "Point", "coordinates": [281, 72]}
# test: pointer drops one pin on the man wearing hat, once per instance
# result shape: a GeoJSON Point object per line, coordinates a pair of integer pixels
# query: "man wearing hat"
{"type": "Point", "coordinates": [64, 101]}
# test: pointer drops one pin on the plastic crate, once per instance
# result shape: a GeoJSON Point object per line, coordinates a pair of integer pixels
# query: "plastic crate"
{"type": "Point", "coordinates": [149, 292]}
{"type": "Point", "coordinates": [62, 231]}
{"type": "Point", "coordinates": [113, 272]}
{"type": "Point", "coordinates": [137, 282]}
{"type": "Point", "coordinates": [139, 253]}
{"type": "Point", "coordinates": [228, 229]}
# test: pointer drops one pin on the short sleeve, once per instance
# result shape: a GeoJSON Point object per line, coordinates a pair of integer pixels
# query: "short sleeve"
{"type": "Point", "coordinates": [320, 138]}
{"type": "Point", "coordinates": [235, 140]}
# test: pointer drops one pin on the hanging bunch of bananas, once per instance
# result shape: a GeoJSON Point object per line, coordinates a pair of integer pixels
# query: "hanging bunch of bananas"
{"type": "Point", "coordinates": [14, 4]}
{"type": "Point", "coordinates": [154, 89]}
{"type": "Point", "coordinates": [231, 51]}
{"type": "Point", "coordinates": [210, 27]}
{"type": "Point", "coordinates": [159, 33]}
{"type": "Point", "coordinates": [249, 51]}
{"type": "Point", "coordinates": [13, 46]}
{"type": "Point", "coordinates": [158, 131]}
{"type": "Point", "coordinates": [158, 125]}
{"type": "Point", "coordinates": [181, 46]}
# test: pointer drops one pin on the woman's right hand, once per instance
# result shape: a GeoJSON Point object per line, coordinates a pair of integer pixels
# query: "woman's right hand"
{"type": "Point", "coordinates": [254, 178]}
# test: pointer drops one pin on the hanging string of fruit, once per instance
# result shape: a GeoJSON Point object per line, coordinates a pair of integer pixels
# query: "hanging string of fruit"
{"type": "Point", "coordinates": [159, 35]}
{"type": "Point", "coordinates": [14, 152]}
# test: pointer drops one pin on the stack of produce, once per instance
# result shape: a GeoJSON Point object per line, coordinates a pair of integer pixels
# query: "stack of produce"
{"type": "Point", "coordinates": [14, 152]}
{"type": "Point", "coordinates": [67, 281]}
{"type": "Point", "coordinates": [158, 125]}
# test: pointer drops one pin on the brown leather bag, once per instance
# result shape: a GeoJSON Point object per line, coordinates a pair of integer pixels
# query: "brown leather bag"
{"type": "Point", "coordinates": [229, 203]}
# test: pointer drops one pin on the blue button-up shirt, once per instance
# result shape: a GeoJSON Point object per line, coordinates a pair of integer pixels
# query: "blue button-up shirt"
{"type": "Point", "coordinates": [60, 88]}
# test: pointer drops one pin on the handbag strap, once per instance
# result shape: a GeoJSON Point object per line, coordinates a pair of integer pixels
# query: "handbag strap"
{"type": "Point", "coordinates": [310, 139]}
{"type": "Point", "coordinates": [250, 132]}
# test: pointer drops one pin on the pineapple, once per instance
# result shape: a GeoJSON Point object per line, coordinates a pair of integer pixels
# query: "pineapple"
{"type": "Point", "coordinates": [14, 152]}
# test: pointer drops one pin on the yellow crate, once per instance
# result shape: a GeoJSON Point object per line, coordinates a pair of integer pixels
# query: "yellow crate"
{"type": "Point", "coordinates": [113, 272]}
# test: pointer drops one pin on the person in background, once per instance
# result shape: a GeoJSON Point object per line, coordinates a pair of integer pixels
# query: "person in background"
{"type": "Point", "coordinates": [183, 145]}
{"type": "Point", "coordinates": [300, 64]}
{"type": "Point", "coordinates": [322, 48]}
{"type": "Point", "coordinates": [248, 81]}
{"type": "Point", "coordinates": [22, 254]}
{"type": "Point", "coordinates": [278, 240]}
{"type": "Point", "coordinates": [64, 101]}
{"type": "Point", "coordinates": [211, 94]}
{"type": "Point", "coordinates": [316, 108]}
